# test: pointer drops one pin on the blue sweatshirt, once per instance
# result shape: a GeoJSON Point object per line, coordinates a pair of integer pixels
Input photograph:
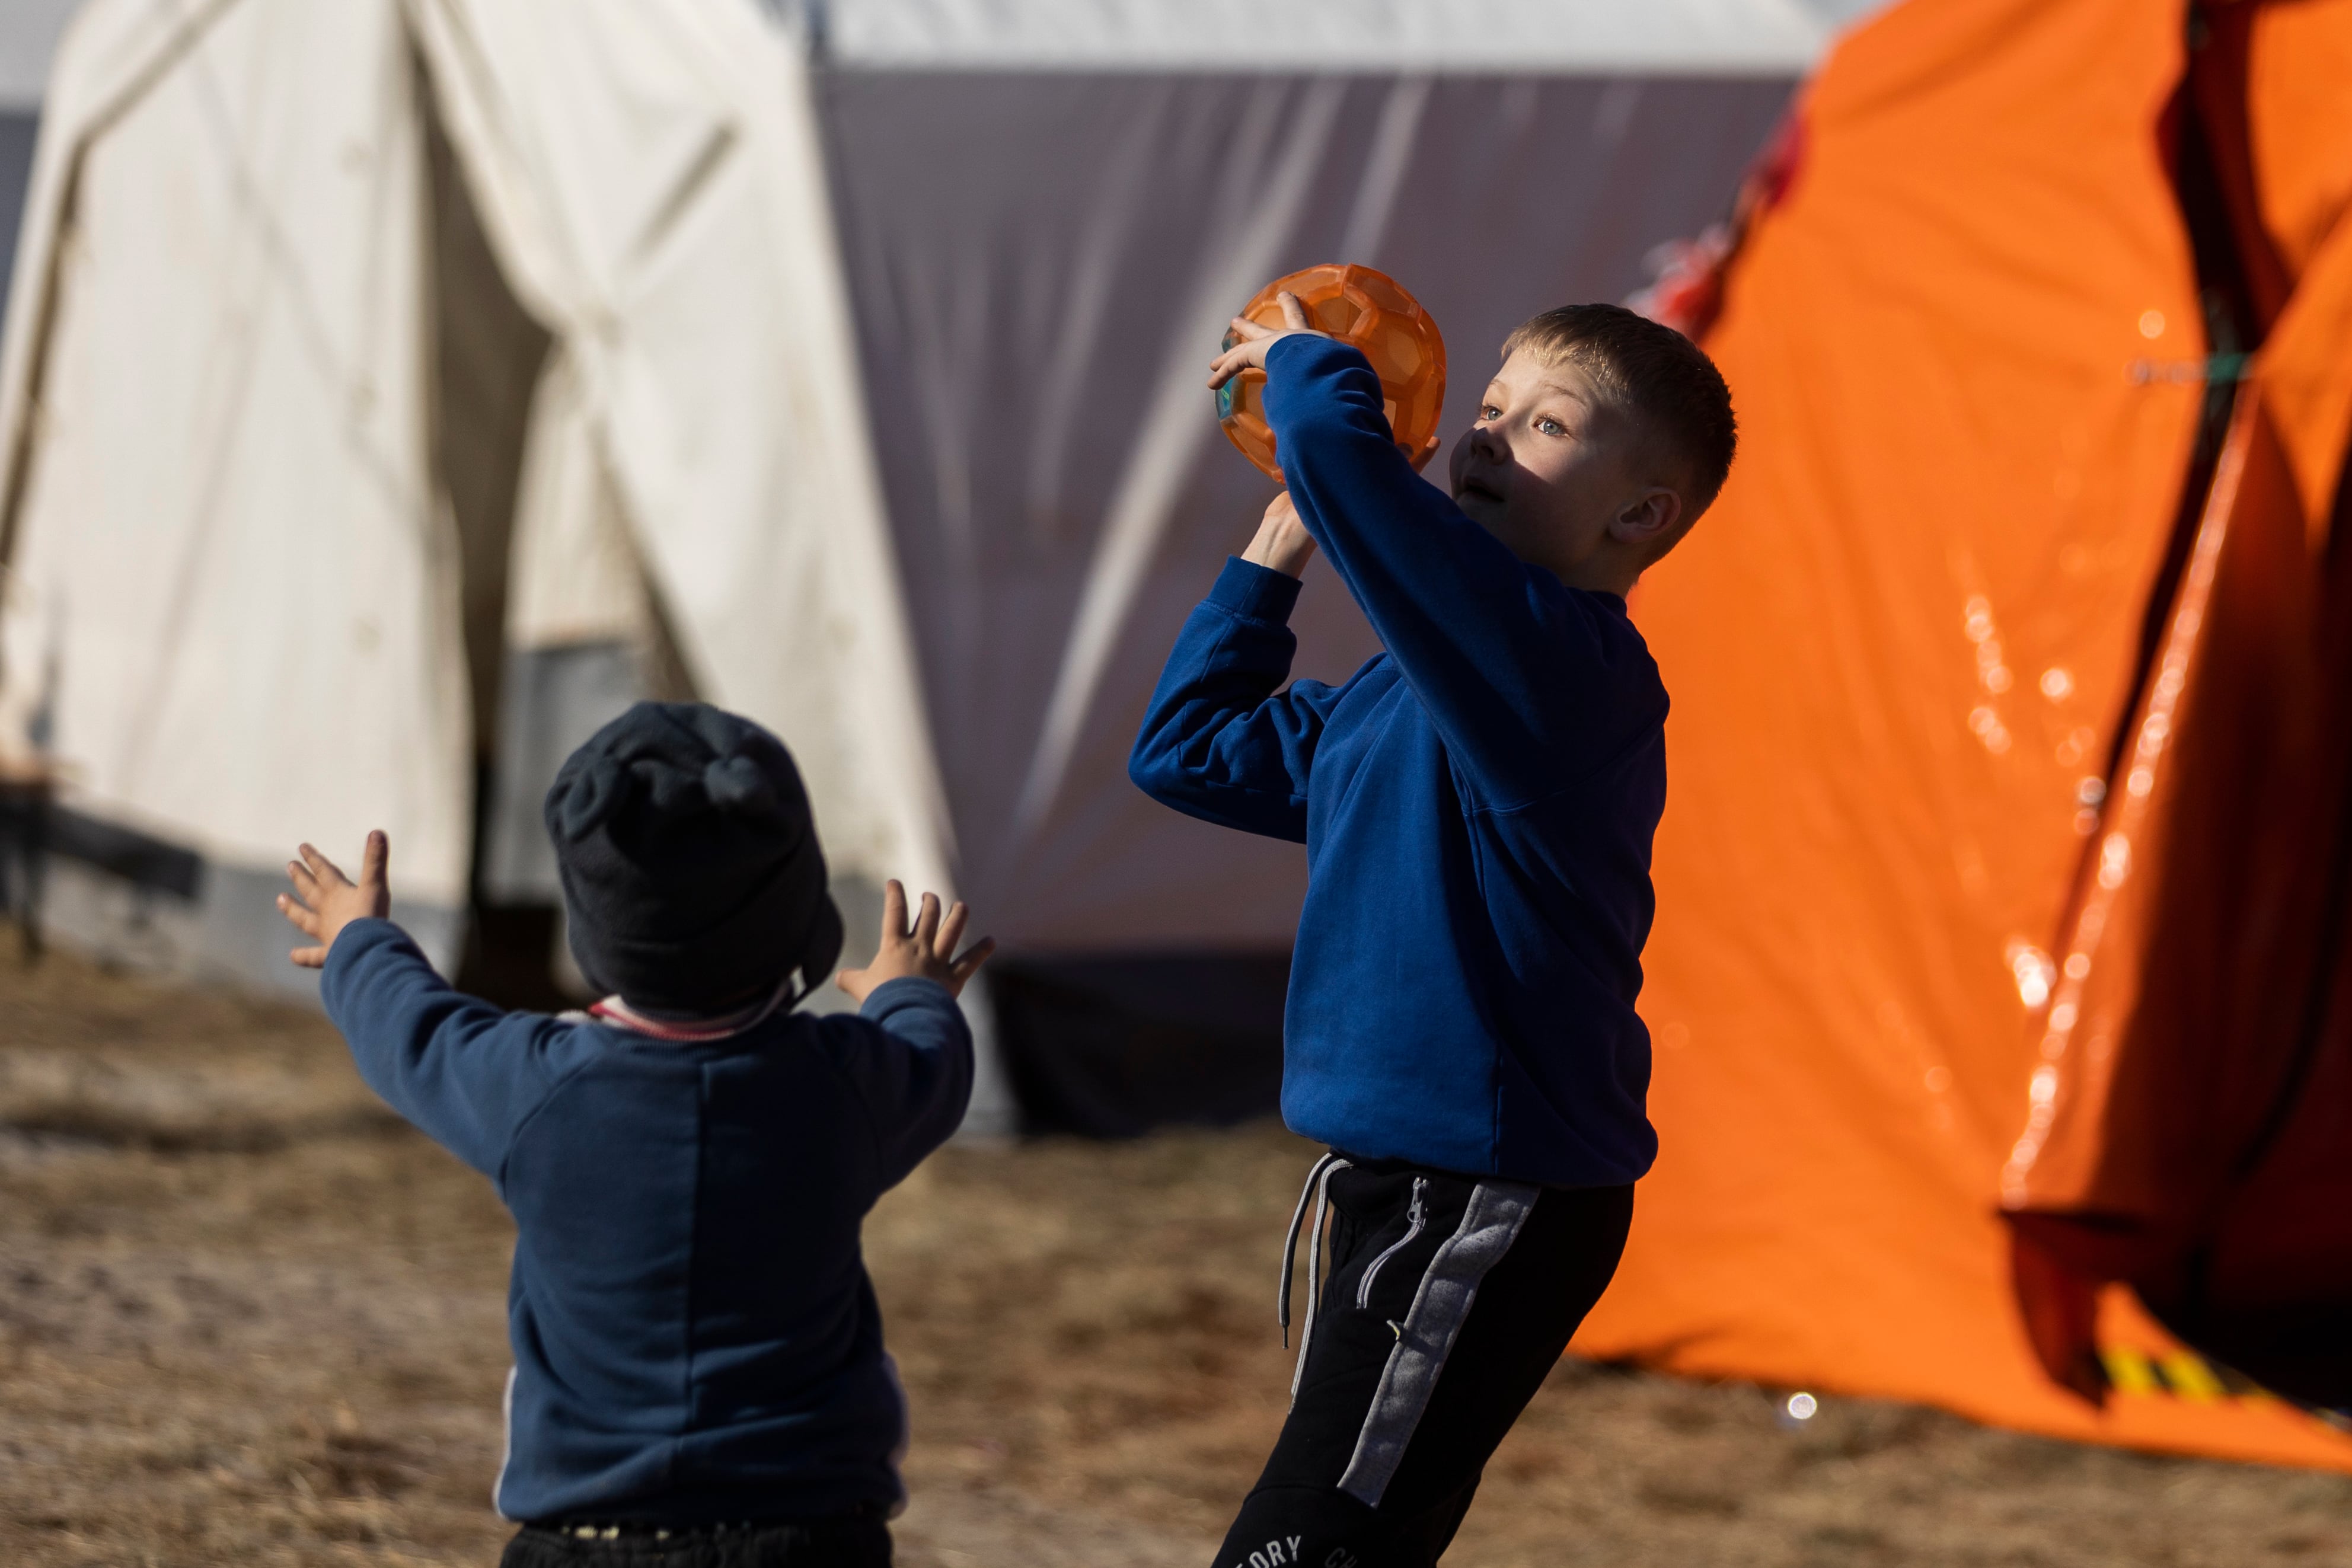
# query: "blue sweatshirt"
{"type": "Point", "coordinates": [695, 1338]}
{"type": "Point", "coordinates": [1478, 804]}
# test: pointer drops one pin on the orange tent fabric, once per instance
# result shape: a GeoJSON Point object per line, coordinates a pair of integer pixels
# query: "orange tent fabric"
{"type": "Point", "coordinates": [1966, 344]}
{"type": "Point", "coordinates": [2200, 922]}
{"type": "Point", "coordinates": [2186, 1133]}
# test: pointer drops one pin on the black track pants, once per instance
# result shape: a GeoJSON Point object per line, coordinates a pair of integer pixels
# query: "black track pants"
{"type": "Point", "coordinates": [1449, 1301]}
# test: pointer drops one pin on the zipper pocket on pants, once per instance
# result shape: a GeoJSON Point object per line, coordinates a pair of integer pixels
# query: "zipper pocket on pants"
{"type": "Point", "coordinates": [1416, 1216]}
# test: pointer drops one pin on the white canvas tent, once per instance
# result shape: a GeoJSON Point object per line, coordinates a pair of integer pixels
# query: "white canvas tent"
{"type": "Point", "coordinates": [245, 472]}
{"type": "Point", "coordinates": [393, 390]}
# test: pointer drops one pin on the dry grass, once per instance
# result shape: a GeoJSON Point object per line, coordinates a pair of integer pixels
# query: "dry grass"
{"type": "Point", "coordinates": [246, 1317]}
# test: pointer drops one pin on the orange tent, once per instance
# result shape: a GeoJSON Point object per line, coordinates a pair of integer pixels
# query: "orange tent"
{"type": "Point", "coordinates": [2003, 873]}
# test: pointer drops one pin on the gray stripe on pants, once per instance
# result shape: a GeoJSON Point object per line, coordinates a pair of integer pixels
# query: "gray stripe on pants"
{"type": "Point", "coordinates": [1490, 1223]}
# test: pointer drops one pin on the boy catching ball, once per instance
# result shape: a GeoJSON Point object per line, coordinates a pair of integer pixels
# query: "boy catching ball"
{"type": "Point", "coordinates": [699, 1375]}
{"type": "Point", "coordinates": [1478, 804]}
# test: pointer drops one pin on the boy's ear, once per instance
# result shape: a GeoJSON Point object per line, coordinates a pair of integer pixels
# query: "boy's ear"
{"type": "Point", "coordinates": [1652, 518]}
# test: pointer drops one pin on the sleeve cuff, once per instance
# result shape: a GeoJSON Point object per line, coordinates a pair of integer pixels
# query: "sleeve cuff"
{"type": "Point", "coordinates": [1259, 593]}
{"type": "Point", "coordinates": [1315, 355]}
{"type": "Point", "coordinates": [354, 945]}
{"type": "Point", "coordinates": [908, 990]}
{"type": "Point", "coordinates": [358, 938]}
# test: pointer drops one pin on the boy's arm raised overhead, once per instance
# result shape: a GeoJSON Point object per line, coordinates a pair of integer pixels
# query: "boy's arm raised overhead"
{"type": "Point", "coordinates": [465, 1073]}
{"type": "Point", "coordinates": [1531, 683]}
{"type": "Point", "coordinates": [1517, 671]}
{"type": "Point", "coordinates": [1220, 740]}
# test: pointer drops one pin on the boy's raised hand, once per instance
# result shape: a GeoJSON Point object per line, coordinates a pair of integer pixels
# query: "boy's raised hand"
{"type": "Point", "coordinates": [1282, 542]}
{"type": "Point", "coordinates": [1248, 352]}
{"type": "Point", "coordinates": [925, 951]}
{"type": "Point", "coordinates": [325, 901]}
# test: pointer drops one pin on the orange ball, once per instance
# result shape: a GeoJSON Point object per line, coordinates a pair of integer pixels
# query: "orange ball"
{"type": "Point", "coordinates": [1367, 310]}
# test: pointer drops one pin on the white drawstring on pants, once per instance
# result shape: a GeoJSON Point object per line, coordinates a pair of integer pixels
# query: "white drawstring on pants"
{"type": "Point", "coordinates": [1318, 1192]}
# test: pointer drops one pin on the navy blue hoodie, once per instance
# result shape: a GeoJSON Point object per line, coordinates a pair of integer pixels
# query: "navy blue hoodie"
{"type": "Point", "coordinates": [695, 1338]}
{"type": "Point", "coordinates": [1478, 804]}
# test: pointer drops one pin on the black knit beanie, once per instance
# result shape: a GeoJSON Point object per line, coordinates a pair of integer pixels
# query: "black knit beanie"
{"type": "Point", "coordinates": [690, 865]}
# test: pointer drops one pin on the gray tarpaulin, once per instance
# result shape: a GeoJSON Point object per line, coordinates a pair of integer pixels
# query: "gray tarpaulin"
{"type": "Point", "coordinates": [28, 37]}
{"type": "Point", "coordinates": [1042, 261]}
{"type": "Point", "coordinates": [1040, 264]}
{"type": "Point", "coordinates": [16, 129]}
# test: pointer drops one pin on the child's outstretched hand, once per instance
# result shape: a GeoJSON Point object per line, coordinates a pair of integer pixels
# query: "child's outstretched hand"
{"type": "Point", "coordinates": [326, 901]}
{"type": "Point", "coordinates": [925, 951]}
{"type": "Point", "coordinates": [1251, 340]}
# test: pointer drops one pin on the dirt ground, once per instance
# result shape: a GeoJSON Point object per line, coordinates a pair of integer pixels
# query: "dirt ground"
{"type": "Point", "coordinates": [248, 1317]}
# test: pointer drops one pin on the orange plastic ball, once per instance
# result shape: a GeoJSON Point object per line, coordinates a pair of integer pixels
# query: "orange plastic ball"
{"type": "Point", "coordinates": [1364, 308]}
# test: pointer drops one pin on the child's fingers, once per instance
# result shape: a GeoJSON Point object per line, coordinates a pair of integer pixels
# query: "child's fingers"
{"type": "Point", "coordinates": [965, 968]}
{"type": "Point", "coordinates": [304, 883]}
{"type": "Point", "coordinates": [1294, 314]}
{"type": "Point", "coordinates": [950, 929]}
{"type": "Point", "coordinates": [927, 924]}
{"type": "Point", "coordinates": [304, 920]}
{"type": "Point", "coordinates": [329, 873]}
{"type": "Point", "coordinates": [894, 912]}
{"type": "Point", "coordinates": [309, 957]}
{"type": "Point", "coordinates": [1249, 331]}
{"type": "Point", "coordinates": [374, 858]}
{"type": "Point", "coordinates": [1233, 361]}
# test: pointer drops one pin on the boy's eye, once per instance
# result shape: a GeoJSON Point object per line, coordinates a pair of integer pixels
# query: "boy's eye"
{"type": "Point", "coordinates": [1488, 413]}
{"type": "Point", "coordinates": [1551, 427]}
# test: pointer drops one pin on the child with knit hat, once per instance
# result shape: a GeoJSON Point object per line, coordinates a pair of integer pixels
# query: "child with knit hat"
{"type": "Point", "coordinates": [698, 1371]}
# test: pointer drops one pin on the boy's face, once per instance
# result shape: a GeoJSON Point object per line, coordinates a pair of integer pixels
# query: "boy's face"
{"type": "Point", "coordinates": [1551, 469]}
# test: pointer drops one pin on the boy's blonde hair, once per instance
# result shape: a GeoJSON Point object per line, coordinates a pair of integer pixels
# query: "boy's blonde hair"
{"type": "Point", "coordinates": [1672, 391]}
